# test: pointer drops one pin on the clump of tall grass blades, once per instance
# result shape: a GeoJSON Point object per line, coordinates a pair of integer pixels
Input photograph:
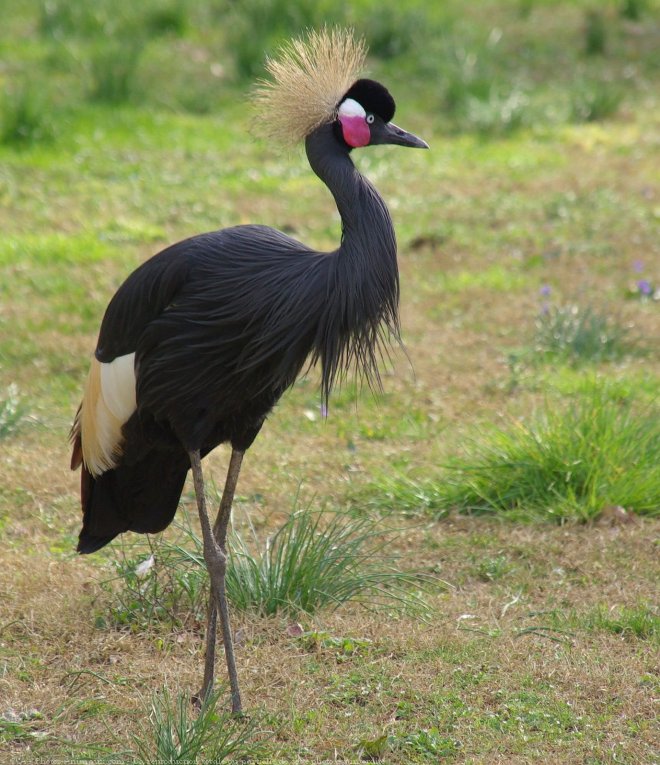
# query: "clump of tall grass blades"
{"type": "Point", "coordinates": [60, 19]}
{"type": "Point", "coordinates": [577, 335]}
{"type": "Point", "coordinates": [594, 101]}
{"type": "Point", "coordinates": [475, 99]}
{"type": "Point", "coordinates": [320, 560]}
{"type": "Point", "coordinates": [255, 27]}
{"type": "Point", "coordinates": [25, 117]}
{"type": "Point", "coordinates": [640, 621]}
{"type": "Point", "coordinates": [595, 33]}
{"type": "Point", "coordinates": [113, 69]}
{"type": "Point", "coordinates": [570, 463]}
{"type": "Point", "coordinates": [180, 736]}
{"type": "Point", "coordinates": [314, 561]}
{"type": "Point", "coordinates": [633, 10]}
{"type": "Point", "coordinates": [394, 29]}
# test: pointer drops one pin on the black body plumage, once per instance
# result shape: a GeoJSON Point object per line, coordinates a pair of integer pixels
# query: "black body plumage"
{"type": "Point", "coordinates": [222, 324]}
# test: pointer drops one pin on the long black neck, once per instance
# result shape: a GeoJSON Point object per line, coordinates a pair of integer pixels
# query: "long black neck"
{"type": "Point", "coordinates": [363, 289]}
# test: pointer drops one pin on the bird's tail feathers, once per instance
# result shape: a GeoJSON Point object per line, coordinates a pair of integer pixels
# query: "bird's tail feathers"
{"type": "Point", "coordinates": [141, 497]}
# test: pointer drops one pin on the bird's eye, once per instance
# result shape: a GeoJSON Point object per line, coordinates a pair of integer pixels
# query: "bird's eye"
{"type": "Point", "coordinates": [370, 119]}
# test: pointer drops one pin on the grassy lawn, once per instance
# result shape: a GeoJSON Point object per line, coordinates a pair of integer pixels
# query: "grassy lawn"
{"type": "Point", "coordinates": [513, 457]}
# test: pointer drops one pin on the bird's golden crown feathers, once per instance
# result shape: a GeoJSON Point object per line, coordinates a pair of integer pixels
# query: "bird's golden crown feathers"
{"type": "Point", "coordinates": [309, 75]}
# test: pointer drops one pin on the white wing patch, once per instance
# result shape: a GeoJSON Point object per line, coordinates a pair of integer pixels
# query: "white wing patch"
{"type": "Point", "coordinates": [118, 386]}
{"type": "Point", "coordinates": [108, 402]}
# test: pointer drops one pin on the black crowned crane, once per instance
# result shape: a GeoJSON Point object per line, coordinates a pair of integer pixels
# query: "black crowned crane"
{"type": "Point", "coordinates": [200, 342]}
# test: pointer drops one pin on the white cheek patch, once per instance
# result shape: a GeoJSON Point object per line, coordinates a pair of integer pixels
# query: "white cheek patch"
{"type": "Point", "coordinates": [118, 386]}
{"type": "Point", "coordinates": [351, 108]}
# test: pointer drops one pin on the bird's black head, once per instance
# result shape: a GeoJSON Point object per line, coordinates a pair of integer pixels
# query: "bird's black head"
{"type": "Point", "coordinates": [363, 118]}
{"type": "Point", "coordinates": [373, 97]}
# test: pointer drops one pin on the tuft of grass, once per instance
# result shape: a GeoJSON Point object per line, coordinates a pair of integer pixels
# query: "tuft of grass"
{"type": "Point", "coordinates": [633, 10]}
{"type": "Point", "coordinates": [639, 621]}
{"type": "Point", "coordinates": [491, 568]}
{"type": "Point", "coordinates": [476, 100]}
{"type": "Point", "coordinates": [258, 26]}
{"type": "Point", "coordinates": [168, 18]}
{"type": "Point", "coordinates": [430, 743]}
{"type": "Point", "coordinates": [20, 727]}
{"type": "Point", "coordinates": [595, 101]}
{"type": "Point", "coordinates": [60, 20]}
{"type": "Point", "coordinates": [568, 464]}
{"type": "Point", "coordinates": [158, 582]}
{"type": "Point", "coordinates": [393, 29]}
{"type": "Point", "coordinates": [179, 735]}
{"type": "Point", "coordinates": [320, 560]}
{"type": "Point", "coordinates": [577, 335]}
{"type": "Point", "coordinates": [12, 412]}
{"type": "Point", "coordinates": [595, 33]}
{"type": "Point", "coordinates": [25, 117]}
{"type": "Point", "coordinates": [112, 70]}
{"type": "Point", "coordinates": [310, 563]}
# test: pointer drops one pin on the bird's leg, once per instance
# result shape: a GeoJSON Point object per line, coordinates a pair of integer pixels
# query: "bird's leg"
{"type": "Point", "coordinates": [220, 534]}
{"type": "Point", "coordinates": [224, 512]}
{"type": "Point", "coordinates": [209, 654]}
{"type": "Point", "coordinates": [216, 562]}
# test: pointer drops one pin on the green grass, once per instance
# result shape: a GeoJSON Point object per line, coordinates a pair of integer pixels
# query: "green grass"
{"type": "Point", "coordinates": [60, 20]}
{"type": "Point", "coordinates": [576, 335]}
{"type": "Point", "coordinates": [633, 10]}
{"type": "Point", "coordinates": [484, 79]}
{"type": "Point", "coordinates": [112, 71]}
{"type": "Point", "coordinates": [25, 117]}
{"type": "Point", "coordinates": [21, 727]}
{"type": "Point", "coordinates": [12, 412]}
{"type": "Point", "coordinates": [595, 33]}
{"type": "Point", "coordinates": [181, 735]}
{"type": "Point", "coordinates": [595, 101]}
{"type": "Point", "coordinates": [568, 463]}
{"type": "Point", "coordinates": [404, 494]}
{"type": "Point", "coordinates": [496, 279]}
{"type": "Point", "coordinates": [314, 562]}
{"type": "Point", "coordinates": [156, 584]}
{"type": "Point", "coordinates": [639, 621]}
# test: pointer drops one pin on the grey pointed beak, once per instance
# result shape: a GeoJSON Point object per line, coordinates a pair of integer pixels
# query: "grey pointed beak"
{"type": "Point", "coordinates": [399, 137]}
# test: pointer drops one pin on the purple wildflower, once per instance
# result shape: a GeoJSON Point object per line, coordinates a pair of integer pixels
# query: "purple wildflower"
{"type": "Point", "coordinates": [638, 266]}
{"type": "Point", "coordinates": [545, 290]}
{"type": "Point", "coordinates": [644, 287]}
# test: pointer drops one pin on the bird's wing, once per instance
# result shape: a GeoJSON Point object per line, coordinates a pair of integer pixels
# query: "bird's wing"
{"type": "Point", "coordinates": [141, 298]}
{"type": "Point", "coordinates": [109, 397]}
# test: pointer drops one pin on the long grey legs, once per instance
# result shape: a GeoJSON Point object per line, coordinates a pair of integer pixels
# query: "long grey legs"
{"type": "Point", "coordinates": [215, 556]}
